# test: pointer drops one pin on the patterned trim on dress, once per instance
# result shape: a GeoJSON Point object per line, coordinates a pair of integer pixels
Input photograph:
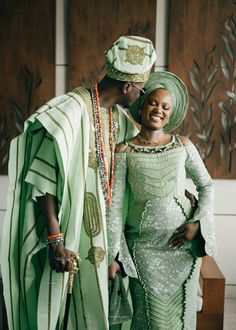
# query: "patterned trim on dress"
{"type": "Point", "coordinates": [137, 270]}
{"type": "Point", "coordinates": [185, 206]}
{"type": "Point", "coordinates": [192, 273]}
{"type": "Point", "coordinates": [173, 144]}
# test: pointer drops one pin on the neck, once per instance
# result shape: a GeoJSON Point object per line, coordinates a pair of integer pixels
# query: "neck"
{"type": "Point", "coordinates": [151, 136]}
{"type": "Point", "coordinates": [107, 96]}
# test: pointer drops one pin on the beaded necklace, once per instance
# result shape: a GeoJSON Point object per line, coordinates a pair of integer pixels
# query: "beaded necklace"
{"type": "Point", "coordinates": [107, 185]}
{"type": "Point", "coordinates": [141, 139]}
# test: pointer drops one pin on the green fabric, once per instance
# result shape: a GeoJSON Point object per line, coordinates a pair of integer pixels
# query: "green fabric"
{"type": "Point", "coordinates": [175, 86]}
{"type": "Point", "coordinates": [34, 294]}
{"type": "Point", "coordinates": [119, 308]}
{"type": "Point", "coordinates": [163, 280]}
{"type": "Point", "coordinates": [42, 173]}
{"type": "Point", "coordinates": [130, 58]}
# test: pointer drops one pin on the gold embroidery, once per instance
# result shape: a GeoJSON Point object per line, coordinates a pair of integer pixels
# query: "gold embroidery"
{"type": "Point", "coordinates": [135, 55]}
{"type": "Point", "coordinates": [116, 117]}
{"type": "Point", "coordinates": [96, 255]}
{"type": "Point", "coordinates": [92, 216]}
{"type": "Point", "coordinates": [118, 75]}
{"type": "Point", "coordinates": [92, 150]}
{"type": "Point", "coordinates": [84, 93]}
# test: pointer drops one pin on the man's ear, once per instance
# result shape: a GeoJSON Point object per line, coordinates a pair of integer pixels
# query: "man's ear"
{"type": "Point", "coordinates": [126, 87]}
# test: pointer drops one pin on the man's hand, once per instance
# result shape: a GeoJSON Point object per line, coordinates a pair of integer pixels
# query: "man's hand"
{"type": "Point", "coordinates": [113, 269]}
{"type": "Point", "coordinates": [184, 233]}
{"type": "Point", "coordinates": [192, 198]}
{"type": "Point", "coordinates": [60, 257]}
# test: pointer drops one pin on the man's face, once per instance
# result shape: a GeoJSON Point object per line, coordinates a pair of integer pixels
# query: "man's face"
{"type": "Point", "coordinates": [135, 90]}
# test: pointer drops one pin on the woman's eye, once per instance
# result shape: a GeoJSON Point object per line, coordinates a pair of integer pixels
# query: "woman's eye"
{"type": "Point", "coordinates": [166, 108]}
{"type": "Point", "coordinates": [152, 103]}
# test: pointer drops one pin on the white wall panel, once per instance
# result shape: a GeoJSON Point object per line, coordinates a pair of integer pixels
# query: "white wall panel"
{"type": "Point", "coordinates": [161, 32]}
{"type": "Point", "coordinates": [226, 246]}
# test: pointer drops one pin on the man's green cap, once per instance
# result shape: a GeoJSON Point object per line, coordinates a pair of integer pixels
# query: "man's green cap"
{"type": "Point", "coordinates": [130, 58]}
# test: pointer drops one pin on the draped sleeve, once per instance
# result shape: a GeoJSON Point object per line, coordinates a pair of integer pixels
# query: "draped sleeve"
{"type": "Point", "coordinates": [117, 245]}
{"type": "Point", "coordinates": [43, 171]}
{"type": "Point", "coordinates": [204, 212]}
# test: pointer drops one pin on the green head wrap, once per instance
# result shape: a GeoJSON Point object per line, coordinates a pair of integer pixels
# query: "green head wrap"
{"type": "Point", "coordinates": [178, 91]}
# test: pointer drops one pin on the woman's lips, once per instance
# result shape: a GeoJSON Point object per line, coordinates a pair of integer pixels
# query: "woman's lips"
{"type": "Point", "coordinates": [155, 117]}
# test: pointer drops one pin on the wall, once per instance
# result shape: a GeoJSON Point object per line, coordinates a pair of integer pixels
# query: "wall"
{"type": "Point", "coordinates": [225, 204]}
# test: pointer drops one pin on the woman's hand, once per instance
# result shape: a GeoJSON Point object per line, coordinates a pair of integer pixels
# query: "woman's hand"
{"type": "Point", "coordinates": [113, 269]}
{"type": "Point", "coordinates": [192, 198]}
{"type": "Point", "coordinates": [60, 257]}
{"type": "Point", "coordinates": [184, 233]}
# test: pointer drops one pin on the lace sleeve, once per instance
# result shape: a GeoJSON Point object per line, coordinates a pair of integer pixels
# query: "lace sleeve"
{"type": "Point", "coordinates": [116, 220]}
{"type": "Point", "coordinates": [204, 213]}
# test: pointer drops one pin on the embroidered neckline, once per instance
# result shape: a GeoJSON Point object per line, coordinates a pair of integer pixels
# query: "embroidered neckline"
{"type": "Point", "coordinates": [155, 149]}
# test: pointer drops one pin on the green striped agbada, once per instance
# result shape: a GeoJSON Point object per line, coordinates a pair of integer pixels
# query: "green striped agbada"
{"type": "Point", "coordinates": [56, 154]}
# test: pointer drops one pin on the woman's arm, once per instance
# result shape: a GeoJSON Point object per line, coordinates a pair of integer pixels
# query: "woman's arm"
{"type": "Point", "coordinates": [201, 228]}
{"type": "Point", "coordinates": [118, 252]}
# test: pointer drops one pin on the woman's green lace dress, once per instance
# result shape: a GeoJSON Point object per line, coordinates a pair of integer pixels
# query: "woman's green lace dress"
{"type": "Point", "coordinates": [149, 205]}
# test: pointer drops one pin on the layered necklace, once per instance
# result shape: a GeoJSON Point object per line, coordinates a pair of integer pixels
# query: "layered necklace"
{"type": "Point", "coordinates": [102, 157]}
{"type": "Point", "coordinates": [142, 140]}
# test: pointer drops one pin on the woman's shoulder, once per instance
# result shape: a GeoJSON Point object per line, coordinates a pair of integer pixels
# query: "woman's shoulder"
{"type": "Point", "coordinates": [185, 141]}
{"type": "Point", "coordinates": [123, 147]}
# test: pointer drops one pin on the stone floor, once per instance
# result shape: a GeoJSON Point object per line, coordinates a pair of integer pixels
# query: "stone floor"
{"type": "Point", "coordinates": [230, 314]}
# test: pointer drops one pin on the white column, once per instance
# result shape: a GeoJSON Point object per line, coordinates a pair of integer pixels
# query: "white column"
{"type": "Point", "coordinates": [61, 46]}
{"type": "Point", "coordinates": [162, 21]}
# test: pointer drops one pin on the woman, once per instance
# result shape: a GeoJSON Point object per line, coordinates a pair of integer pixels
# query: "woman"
{"type": "Point", "coordinates": [153, 231]}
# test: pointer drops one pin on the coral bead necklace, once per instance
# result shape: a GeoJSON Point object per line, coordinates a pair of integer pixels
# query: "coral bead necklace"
{"type": "Point", "coordinates": [102, 158]}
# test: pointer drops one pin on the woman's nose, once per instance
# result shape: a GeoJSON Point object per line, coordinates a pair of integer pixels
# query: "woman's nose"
{"type": "Point", "coordinates": [158, 109]}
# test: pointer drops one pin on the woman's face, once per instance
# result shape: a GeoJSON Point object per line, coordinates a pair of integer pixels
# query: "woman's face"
{"type": "Point", "coordinates": [156, 109]}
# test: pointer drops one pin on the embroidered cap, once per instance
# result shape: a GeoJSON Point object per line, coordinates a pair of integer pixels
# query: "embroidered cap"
{"type": "Point", "coordinates": [130, 58]}
{"type": "Point", "coordinates": [175, 87]}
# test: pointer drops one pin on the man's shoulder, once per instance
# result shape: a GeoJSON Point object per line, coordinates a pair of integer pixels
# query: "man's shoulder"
{"type": "Point", "coordinates": [68, 102]}
{"type": "Point", "coordinates": [82, 93]}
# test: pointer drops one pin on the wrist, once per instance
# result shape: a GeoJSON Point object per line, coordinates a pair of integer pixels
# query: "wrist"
{"type": "Point", "coordinates": [53, 239]}
{"type": "Point", "coordinates": [54, 246]}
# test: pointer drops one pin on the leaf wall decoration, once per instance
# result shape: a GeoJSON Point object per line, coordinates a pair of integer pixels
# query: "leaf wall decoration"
{"type": "Point", "coordinates": [203, 80]}
{"type": "Point", "coordinates": [228, 46]}
{"type": "Point", "coordinates": [224, 67]}
{"type": "Point", "coordinates": [194, 82]}
{"type": "Point", "coordinates": [202, 52]}
{"type": "Point", "coordinates": [228, 105]}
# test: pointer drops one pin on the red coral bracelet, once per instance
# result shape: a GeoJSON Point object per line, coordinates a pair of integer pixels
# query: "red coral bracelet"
{"type": "Point", "coordinates": [55, 236]}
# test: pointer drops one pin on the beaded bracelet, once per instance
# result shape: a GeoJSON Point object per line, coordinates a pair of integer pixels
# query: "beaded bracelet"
{"type": "Point", "coordinates": [54, 240]}
{"type": "Point", "coordinates": [55, 236]}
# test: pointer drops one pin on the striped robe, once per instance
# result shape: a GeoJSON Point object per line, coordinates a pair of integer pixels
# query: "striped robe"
{"type": "Point", "coordinates": [67, 168]}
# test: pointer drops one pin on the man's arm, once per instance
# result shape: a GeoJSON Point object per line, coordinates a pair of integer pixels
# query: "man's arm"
{"type": "Point", "coordinates": [59, 256]}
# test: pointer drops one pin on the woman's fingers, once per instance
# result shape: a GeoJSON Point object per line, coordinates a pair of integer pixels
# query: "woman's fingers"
{"type": "Point", "coordinates": [180, 233]}
{"type": "Point", "coordinates": [113, 269]}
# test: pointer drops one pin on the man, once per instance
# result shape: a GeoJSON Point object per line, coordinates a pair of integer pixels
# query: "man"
{"type": "Point", "coordinates": [61, 176]}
